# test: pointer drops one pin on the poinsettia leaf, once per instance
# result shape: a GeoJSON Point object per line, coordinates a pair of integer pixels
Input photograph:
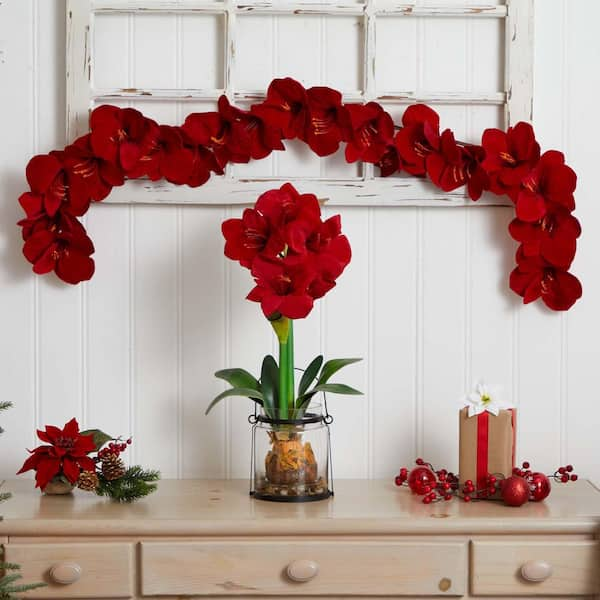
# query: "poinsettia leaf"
{"type": "Point", "coordinates": [238, 391]}
{"type": "Point", "coordinates": [238, 378]}
{"type": "Point", "coordinates": [100, 438]}
{"type": "Point", "coordinates": [309, 375]}
{"type": "Point", "coordinates": [269, 384]}
{"type": "Point", "coordinates": [333, 366]}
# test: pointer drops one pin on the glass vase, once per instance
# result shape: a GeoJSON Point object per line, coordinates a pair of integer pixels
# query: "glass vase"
{"type": "Point", "coordinates": [291, 457]}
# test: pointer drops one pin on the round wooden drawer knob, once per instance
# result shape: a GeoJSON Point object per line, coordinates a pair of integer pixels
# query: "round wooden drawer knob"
{"type": "Point", "coordinates": [302, 570]}
{"type": "Point", "coordinates": [65, 573]}
{"type": "Point", "coordinates": [536, 570]}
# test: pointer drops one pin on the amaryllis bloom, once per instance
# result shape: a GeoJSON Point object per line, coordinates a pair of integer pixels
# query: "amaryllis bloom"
{"type": "Point", "coordinates": [170, 159]}
{"type": "Point", "coordinates": [509, 156]}
{"type": "Point", "coordinates": [554, 237]}
{"type": "Point", "coordinates": [249, 236]}
{"type": "Point", "coordinates": [484, 398]}
{"type": "Point", "coordinates": [371, 131]}
{"type": "Point", "coordinates": [285, 107]}
{"type": "Point", "coordinates": [477, 178]}
{"type": "Point", "coordinates": [123, 136]}
{"type": "Point", "coordinates": [389, 162]}
{"type": "Point", "coordinates": [66, 454]}
{"type": "Point", "coordinates": [328, 123]}
{"type": "Point", "coordinates": [48, 183]}
{"type": "Point", "coordinates": [535, 278]}
{"type": "Point", "coordinates": [417, 138]}
{"type": "Point", "coordinates": [446, 165]}
{"type": "Point", "coordinates": [60, 245]}
{"type": "Point", "coordinates": [89, 176]}
{"type": "Point", "coordinates": [550, 181]}
{"type": "Point", "coordinates": [281, 288]}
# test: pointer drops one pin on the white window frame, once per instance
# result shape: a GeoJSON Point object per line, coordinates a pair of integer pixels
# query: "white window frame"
{"type": "Point", "coordinates": [366, 190]}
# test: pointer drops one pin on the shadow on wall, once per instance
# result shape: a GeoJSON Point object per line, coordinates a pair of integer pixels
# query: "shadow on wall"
{"type": "Point", "coordinates": [43, 104]}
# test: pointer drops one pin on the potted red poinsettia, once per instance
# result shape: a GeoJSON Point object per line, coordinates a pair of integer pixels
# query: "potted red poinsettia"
{"type": "Point", "coordinates": [295, 258]}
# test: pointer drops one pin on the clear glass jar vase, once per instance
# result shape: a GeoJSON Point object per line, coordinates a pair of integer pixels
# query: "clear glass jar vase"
{"type": "Point", "coordinates": [291, 457]}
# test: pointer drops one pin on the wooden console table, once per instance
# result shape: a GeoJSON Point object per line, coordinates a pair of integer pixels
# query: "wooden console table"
{"type": "Point", "coordinates": [209, 539]}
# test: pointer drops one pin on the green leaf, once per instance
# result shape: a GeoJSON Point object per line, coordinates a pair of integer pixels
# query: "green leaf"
{"type": "Point", "coordinates": [337, 388]}
{"type": "Point", "coordinates": [237, 391]}
{"type": "Point", "coordinates": [269, 384]}
{"type": "Point", "coordinates": [333, 366]}
{"type": "Point", "coordinates": [100, 438]}
{"type": "Point", "coordinates": [309, 375]}
{"type": "Point", "coordinates": [238, 378]}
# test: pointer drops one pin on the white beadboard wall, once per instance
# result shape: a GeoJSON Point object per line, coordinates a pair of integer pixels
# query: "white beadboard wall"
{"type": "Point", "coordinates": [425, 300]}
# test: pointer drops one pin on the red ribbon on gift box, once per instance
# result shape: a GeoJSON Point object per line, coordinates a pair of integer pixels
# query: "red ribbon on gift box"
{"type": "Point", "coordinates": [483, 430]}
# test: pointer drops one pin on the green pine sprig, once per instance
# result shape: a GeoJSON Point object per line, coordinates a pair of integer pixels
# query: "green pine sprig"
{"type": "Point", "coordinates": [133, 485]}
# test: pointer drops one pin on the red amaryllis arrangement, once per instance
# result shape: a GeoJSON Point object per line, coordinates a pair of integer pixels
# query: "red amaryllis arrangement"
{"type": "Point", "coordinates": [295, 258]}
{"type": "Point", "coordinates": [124, 144]}
{"type": "Point", "coordinates": [90, 460]}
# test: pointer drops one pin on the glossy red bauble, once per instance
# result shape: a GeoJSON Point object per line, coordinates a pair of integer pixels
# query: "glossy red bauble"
{"type": "Point", "coordinates": [421, 480]}
{"type": "Point", "coordinates": [539, 487]}
{"type": "Point", "coordinates": [515, 491]}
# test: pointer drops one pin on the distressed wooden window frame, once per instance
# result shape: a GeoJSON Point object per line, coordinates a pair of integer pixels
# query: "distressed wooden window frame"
{"type": "Point", "coordinates": [366, 190]}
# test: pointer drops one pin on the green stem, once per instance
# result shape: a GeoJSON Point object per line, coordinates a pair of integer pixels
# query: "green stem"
{"type": "Point", "coordinates": [286, 373]}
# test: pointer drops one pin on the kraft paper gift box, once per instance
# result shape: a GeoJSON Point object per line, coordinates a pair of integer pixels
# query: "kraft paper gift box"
{"type": "Point", "coordinates": [486, 445]}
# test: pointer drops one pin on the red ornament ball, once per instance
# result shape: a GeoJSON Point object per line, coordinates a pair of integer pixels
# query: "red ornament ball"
{"type": "Point", "coordinates": [539, 487]}
{"type": "Point", "coordinates": [515, 491]}
{"type": "Point", "coordinates": [421, 480]}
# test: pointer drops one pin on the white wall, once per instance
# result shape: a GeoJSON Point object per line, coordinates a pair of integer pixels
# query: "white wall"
{"type": "Point", "coordinates": [425, 300]}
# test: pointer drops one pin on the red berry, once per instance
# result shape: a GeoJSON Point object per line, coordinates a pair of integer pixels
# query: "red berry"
{"type": "Point", "coordinates": [526, 465]}
{"type": "Point", "coordinates": [492, 479]}
{"type": "Point", "coordinates": [427, 489]}
{"type": "Point", "coordinates": [564, 478]}
{"type": "Point", "coordinates": [468, 483]}
{"type": "Point", "coordinates": [569, 468]}
{"type": "Point", "coordinates": [129, 440]}
{"type": "Point", "coordinates": [574, 477]}
{"type": "Point", "coordinates": [448, 497]}
{"type": "Point", "coordinates": [467, 498]}
{"type": "Point", "coordinates": [562, 470]}
{"type": "Point", "coordinates": [398, 480]}
{"type": "Point", "coordinates": [419, 461]}
{"type": "Point", "coordinates": [426, 500]}
{"type": "Point", "coordinates": [446, 486]}
{"type": "Point", "coordinates": [403, 471]}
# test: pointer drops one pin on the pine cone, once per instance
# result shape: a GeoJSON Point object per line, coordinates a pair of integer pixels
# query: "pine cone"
{"type": "Point", "coordinates": [88, 481]}
{"type": "Point", "coordinates": [113, 467]}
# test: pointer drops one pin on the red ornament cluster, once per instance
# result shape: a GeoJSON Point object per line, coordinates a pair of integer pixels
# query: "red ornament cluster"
{"type": "Point", "coordinates": [294, 256]}
{"type": "Point", "coordinates": [521, 486]}
{"type": "Point", "coordinates": [123, 144]}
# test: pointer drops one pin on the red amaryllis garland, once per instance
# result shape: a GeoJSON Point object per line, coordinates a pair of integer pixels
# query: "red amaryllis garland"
{"type": "Point", "coordinates": [124, 144]}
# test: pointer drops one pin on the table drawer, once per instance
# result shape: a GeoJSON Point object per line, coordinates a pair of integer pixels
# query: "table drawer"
{"type": "Point", "coordinates": [99, 570]}
{"type": "Point", "coordinates": [319, 567]}
{"type": "Point", "coordinates": [554, 568]}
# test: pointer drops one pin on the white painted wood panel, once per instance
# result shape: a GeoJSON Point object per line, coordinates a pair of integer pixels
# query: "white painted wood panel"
{"type": "Point", "coordinates": [425, 300]}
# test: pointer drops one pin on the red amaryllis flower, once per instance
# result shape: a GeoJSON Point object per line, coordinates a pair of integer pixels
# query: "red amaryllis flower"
{"type": "Point", "coordinates": [170, 159]}
{"type": "Point", "coordinates": [390, 162]}
{"type": "Point", "coordinates": [372, 129]}
{"type": "Point", "coordinates": [249, 236]}
{"type": "Point", "coordinates": [550, 181]}
{"type": "Point", "coordinates": [48, 183]}
{"type": "Point", "coordinates": [60, 245]}
{"type": "Point", "coordinates": [292, 215]}
{"type": "Point", "coordinates": [418, 137]}
{"type": "Point", "coordinates": [477, 178]}
{"type": "Point", "coordinates": [66, 454]}
{"type": "Point", "coordinates": [554, 237]}
{"type": "Point", "coordinates": [281, 287]}
{"type": "Point", "coordinates": [123, 136]}
{"type": "Point", "coordinates": [249, 131]}
{"type": "Point", "coordinates": [446, 166]}
{"type": "Point", "coordinates": [285, 107]}
{"type": "Point", "coordinates": [535, 278]}
{"type": "Point", "coordinates": [509, 157]}
{"type": "Point", "coordinates": [89, 176]}
{"type": "Point", "coordinates": [328, 123]}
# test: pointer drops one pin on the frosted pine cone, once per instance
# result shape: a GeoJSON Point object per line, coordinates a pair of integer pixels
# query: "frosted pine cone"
{"type": "Point", "coordinates": [112, 467]}
{"type": "Point", "coordinates": [88, 481]}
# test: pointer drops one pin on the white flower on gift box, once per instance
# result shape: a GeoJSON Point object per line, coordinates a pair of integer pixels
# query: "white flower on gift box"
{"type": "Point", "coordinates": [484, 397]}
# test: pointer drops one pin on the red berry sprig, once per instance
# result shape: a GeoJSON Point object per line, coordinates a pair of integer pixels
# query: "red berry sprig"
{"type": "Point", "coordinates": [115, 448]}
{"type": "Point", "coordinates": [564, 474]}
